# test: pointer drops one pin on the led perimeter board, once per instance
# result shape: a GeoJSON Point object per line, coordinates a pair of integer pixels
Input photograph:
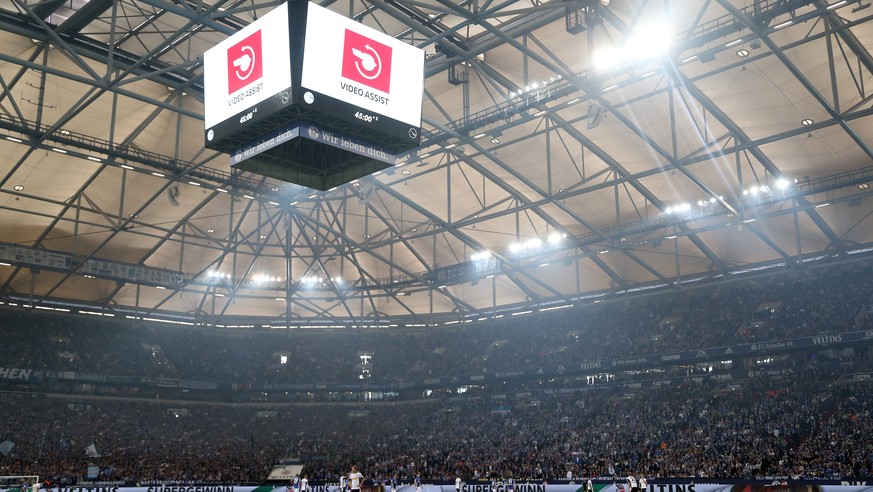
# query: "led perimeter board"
{"type": "Point", "coordinates": [309, 96]}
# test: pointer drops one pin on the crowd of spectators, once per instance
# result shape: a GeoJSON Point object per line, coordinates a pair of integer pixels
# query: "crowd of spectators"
{"type": "Point", "coordinates": [798, 420]}
{"type": "Point", "coordinates": [728, 315]}
{"type": "Point", "coordinates": [800, 426]}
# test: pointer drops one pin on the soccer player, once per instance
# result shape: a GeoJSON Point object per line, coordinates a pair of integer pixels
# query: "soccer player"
{"type": "Point", "coordinates": [355, 479]}
{"type": "Point", "coordinates": [632, 483]}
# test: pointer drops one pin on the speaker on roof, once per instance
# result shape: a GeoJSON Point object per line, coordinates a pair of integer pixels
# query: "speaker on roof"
{"type": "Point", "coordinates": [173, 193]}
{"type": "Point", "coordinates": [595, 115]}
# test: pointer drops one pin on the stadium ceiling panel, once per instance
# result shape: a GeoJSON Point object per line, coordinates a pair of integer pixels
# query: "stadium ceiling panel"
{"type": "Point", "coordinates": [572, 150]}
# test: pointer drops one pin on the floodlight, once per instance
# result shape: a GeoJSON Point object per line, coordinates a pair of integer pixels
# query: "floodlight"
{"type": "Point", "coordinates": [649, 41]}
{"type": "Point", "coordinates": [482, 255]}
{"type": "Point", "coordinates": [259, 279]}
{"type": "Point", "coordinates": [606, 59]}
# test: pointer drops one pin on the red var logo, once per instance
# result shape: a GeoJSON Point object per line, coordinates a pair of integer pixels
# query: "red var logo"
{"type": "Point", "coordinates": [244, 63]}
{"type": "Point", "coordinates": [367, 61]}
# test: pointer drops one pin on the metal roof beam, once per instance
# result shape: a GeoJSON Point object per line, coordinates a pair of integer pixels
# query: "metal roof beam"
{"type": "Point", "coordinates": [85, 15]}
{"type": "Point", "coordinates": [523, 199]}
{"type": "Point", "coordinates": [97, 51]}
{"type": "Point", "coordinates": [848, 36]}
{"type": "Point", "coordinates": [352, 258]}
{"type": "Point", "coordinates": [594, 92]}
{"type": "Point", "coordinates": [462, 236]}
{"type": "Point", "coordinates": [425, 280]}
{"type": "Point", "coordinates": [825, 228]}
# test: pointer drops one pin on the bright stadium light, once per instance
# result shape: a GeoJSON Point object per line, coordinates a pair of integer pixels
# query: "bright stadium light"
{"type": "Point", "coordinates": [650, 40]}
{"type": "Point", "coordinates": [263, 279]}
{"type": "Point", "coordinates": [555, 238]}
{"type": "Point", "coordinates": [678, 208]}
{"type": "Point", "coordinates": [481, 256]}
{"type": "Point", "coordinates": [606, 59]}
{"type": "Point", "coordinates": [533, 243]}
{"type": "Point", "coordinates": [310, 280]}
